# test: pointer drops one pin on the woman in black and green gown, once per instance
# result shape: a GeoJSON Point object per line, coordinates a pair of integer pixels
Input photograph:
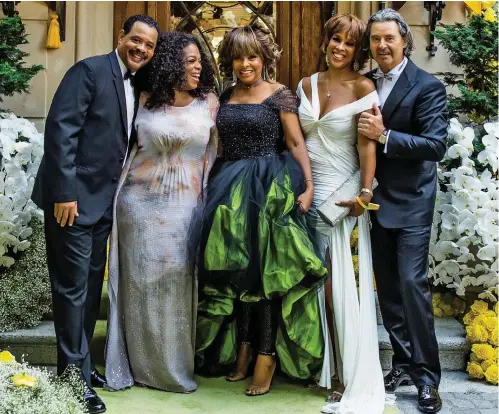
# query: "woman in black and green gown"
{"type": "Point", "coordinates": [258, 267]}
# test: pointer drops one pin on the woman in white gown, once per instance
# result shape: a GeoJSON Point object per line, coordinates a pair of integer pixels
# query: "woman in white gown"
{"type": "Point", "coordinates": [330, 103]}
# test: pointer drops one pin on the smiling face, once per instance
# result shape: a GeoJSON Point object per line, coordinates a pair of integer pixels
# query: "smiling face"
{"type": "Point", "coordinates": [387, 45]}
{"type": "Point", "coordinates": [136, 48]}
{"type": "Point", "coordinates": [340, 50]}
{"type": "Point", "coordinates": [248, 69]}
{"type": "Point", "coordinates": [193, 66]}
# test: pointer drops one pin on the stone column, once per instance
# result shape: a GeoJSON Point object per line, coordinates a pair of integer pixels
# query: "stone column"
{"type": "Point", "coordinates": [94, 28]}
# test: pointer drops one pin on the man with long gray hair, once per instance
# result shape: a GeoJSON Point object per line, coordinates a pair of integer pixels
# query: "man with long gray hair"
{"type": "Point", "coordinates": [410, 128]}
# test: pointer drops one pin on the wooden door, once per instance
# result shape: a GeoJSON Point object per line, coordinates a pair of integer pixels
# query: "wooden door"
{"type": "Point", "coordinates": [299, 34]}
{"type": "Point", "coordinates": [298, 27]}
{"type": "Point", "coordinates": [158, 10]}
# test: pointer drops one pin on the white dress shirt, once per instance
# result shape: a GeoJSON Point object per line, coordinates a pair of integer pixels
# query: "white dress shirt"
{"type": "Point", "coordinates": [384, 86]}
{"type": "Point", "coordinates": [129, 95]}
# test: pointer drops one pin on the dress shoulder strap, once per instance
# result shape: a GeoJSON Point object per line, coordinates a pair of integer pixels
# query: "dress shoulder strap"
{"type": "Point", "coordinates": [367, 102]}
{"type": "Point", "coordinates": [315, 92]}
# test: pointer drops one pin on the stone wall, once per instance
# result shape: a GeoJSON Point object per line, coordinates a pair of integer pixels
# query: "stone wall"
{"type": "Point", "coordinates": [89, 31]}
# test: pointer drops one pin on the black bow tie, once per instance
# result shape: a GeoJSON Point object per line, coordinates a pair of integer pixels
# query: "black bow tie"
{"type": "Point", "coordinates": [131, 76]}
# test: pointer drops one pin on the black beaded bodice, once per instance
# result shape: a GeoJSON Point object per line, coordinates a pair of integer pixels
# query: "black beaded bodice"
{"type": "Point", "coordinates": [254, 130]}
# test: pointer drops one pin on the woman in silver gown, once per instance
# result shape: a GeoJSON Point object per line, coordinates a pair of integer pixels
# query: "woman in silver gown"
{"type": "Point", "coordinates": [152, 290]}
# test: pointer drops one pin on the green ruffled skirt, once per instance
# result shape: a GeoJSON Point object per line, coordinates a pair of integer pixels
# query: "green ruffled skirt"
{"type": "Point", "coordinates": [254, 245]}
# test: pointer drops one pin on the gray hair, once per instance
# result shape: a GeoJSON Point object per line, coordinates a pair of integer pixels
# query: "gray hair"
{"type": "Point", "coordinates": [390, 15]}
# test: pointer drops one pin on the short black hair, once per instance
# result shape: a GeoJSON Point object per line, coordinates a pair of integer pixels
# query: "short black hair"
{"type": "Point", "coordinates": [127, 26]}
{"type": "Point", "coordinates": [166, 71]}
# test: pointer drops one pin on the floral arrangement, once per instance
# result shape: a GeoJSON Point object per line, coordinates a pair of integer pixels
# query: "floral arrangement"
{"type": "Point", "coordinates": [482, 332]}
{"type": "Point", "coordinates": [21, 149]}
{"type": "Point", "coordinates": [464, 240]}
{"type": "Point", "coordinates": [30, 390]}
{"type": "Point", "coordinates": [447, 305]}
{"type": "Point", "coordinates": [25, 286]}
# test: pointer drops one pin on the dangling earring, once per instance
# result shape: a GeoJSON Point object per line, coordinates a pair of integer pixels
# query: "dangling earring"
{"type": "Point", "coordinates": [265, 74]}
{"type": "Point", "coordinates": [234, 77]}
{"type": "Point", "coordinates": [327, 61]}
{"type": "Point", "coordinates": [356, 66]}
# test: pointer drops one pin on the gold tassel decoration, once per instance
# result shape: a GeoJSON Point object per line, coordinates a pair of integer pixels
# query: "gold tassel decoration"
{"type": "Point", "coordinates": [54, 37]}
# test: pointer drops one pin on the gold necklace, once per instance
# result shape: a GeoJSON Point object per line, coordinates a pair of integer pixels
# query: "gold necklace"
{"type": "Point", "coordinates": [328, 94]}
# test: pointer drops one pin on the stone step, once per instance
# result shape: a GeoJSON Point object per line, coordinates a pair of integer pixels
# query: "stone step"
{"type": "Point", "coordinates": [452, 344]}
{"type": "Point", "coordinates": [39, 345]}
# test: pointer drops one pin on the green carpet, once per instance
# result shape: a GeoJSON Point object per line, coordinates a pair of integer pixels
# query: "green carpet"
{"type": "Point", "coordinates": [214, 395]}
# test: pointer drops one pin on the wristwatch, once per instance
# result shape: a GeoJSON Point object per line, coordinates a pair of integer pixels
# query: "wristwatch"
{"type": "Point", "coordinates": [382, 138]}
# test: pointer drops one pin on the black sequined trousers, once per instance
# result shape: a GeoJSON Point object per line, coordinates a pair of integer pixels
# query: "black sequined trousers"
{"type": "Point", "coordinates": [257, 322]}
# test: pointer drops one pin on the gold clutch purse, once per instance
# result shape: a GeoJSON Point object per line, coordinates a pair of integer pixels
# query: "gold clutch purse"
{"type": "Point", "coordinates": [331, 213]}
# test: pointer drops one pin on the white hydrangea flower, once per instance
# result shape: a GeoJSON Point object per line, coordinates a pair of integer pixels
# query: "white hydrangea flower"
{"type": "Point", "coordinates": [465, 230]}
{"type": "Point", "coordinates": [21, 149]}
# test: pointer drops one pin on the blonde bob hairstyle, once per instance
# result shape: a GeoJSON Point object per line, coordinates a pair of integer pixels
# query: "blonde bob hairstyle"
{"type": "Point", "coordinates": [355, 28]}
{"type": "Point", "coordinates": [251, 40]}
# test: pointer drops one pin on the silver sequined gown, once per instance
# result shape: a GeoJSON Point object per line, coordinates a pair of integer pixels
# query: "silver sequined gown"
{"type": "Point", "coordinates": [153, 294]}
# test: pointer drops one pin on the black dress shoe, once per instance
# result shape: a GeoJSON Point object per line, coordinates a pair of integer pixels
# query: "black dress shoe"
{"type": "Point", "coordinates": [395, 378]}
{"type": "Point", "coordinates": [93, 402]}
{"type": "Point", "coordinates": [97, 379]}
{"type": "Point", "coordinates": [428, 399]}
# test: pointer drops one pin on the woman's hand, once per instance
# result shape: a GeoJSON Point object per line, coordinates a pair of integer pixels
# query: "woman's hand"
{"type": "Point", "coordinates": [304, 200]}
{"type": "Point", "coordinates": [355, 208]}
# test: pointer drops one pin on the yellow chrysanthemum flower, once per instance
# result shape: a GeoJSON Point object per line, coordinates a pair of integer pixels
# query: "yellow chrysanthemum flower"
{"type": "Point", "coordinates": [23, 380]}
{"type": "Point", "coordinates": [491, 323]}
{"type": "Point", "coordinates": [493, 337]}
{"type": "Point", "coordinates": [484, 351]}
{"type": "Point", "coordinates": [438, 313]}
{"type": "Point", "coordinates": [491, 374]}
{"type": "Point", "coordinates": [474, 358]}
{"type": "Point", "coordinates": [489, 15]}
{"type": "Point", "coordinates": [477, 333]}
{"type": "Point", "coordinates": [354, 237]}
{"type": "Point", "coordinates": [475, 370]}
{"type": "Point", "coordinates": [479, 306]}
{"type": "Point", "coordinates": [487, 363]}
{"type": "Point", "coordinates": [469, 318]}
{"type": "Point", "coordinates": [355, 260]}
{"type": "Point", "coordinates": [6, 357]}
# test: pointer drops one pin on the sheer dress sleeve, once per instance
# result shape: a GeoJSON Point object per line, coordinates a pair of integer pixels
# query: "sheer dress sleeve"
{"type": "Point", "coordinates": [285, 100]}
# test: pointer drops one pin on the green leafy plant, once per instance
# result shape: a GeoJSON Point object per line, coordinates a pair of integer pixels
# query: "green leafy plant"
{"type": "Point", "coordinates": [14, 74]}
{"type": "Point", "coordinates": [472, 46]}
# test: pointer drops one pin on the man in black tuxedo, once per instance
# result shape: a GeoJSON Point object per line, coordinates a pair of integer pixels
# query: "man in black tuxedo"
{"type": "Point", "coordinates": [411, 130]}
{"type": "Point", "coordinates": [87, 135]}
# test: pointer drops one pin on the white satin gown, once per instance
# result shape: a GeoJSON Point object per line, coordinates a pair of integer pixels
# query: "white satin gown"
{"type": "Point", "coordinates": [332, 147]}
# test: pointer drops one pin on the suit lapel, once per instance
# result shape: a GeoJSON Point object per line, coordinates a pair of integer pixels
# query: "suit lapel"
{"type": "Point", "coordinates": [405, 83]}
{"type": "Point", "coordinates": [120, 89]}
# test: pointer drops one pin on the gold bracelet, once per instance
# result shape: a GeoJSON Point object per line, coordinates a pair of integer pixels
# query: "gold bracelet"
{"type": "Point", "coordinates": [370, 206]}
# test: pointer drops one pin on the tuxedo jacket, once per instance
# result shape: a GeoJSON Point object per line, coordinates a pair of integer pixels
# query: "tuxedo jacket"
{"type": "Point", "coordinates": [86, 139]}
{"type": "Point", "coordinates": [415, 112]}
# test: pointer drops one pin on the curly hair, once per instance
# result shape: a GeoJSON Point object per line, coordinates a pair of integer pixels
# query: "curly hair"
{"type": "Point", "coordinates": [141, 18]}
{"type": "Point", "coordinates": [355, 28]}
{"type": "Point", "coordinates": [247, 41]}
{"type": "Point", "coordinates": [166, 71]}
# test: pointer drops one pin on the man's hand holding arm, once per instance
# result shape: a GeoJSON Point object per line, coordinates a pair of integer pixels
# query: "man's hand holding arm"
{"type": "Point", "coordinates": [431, 117]}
